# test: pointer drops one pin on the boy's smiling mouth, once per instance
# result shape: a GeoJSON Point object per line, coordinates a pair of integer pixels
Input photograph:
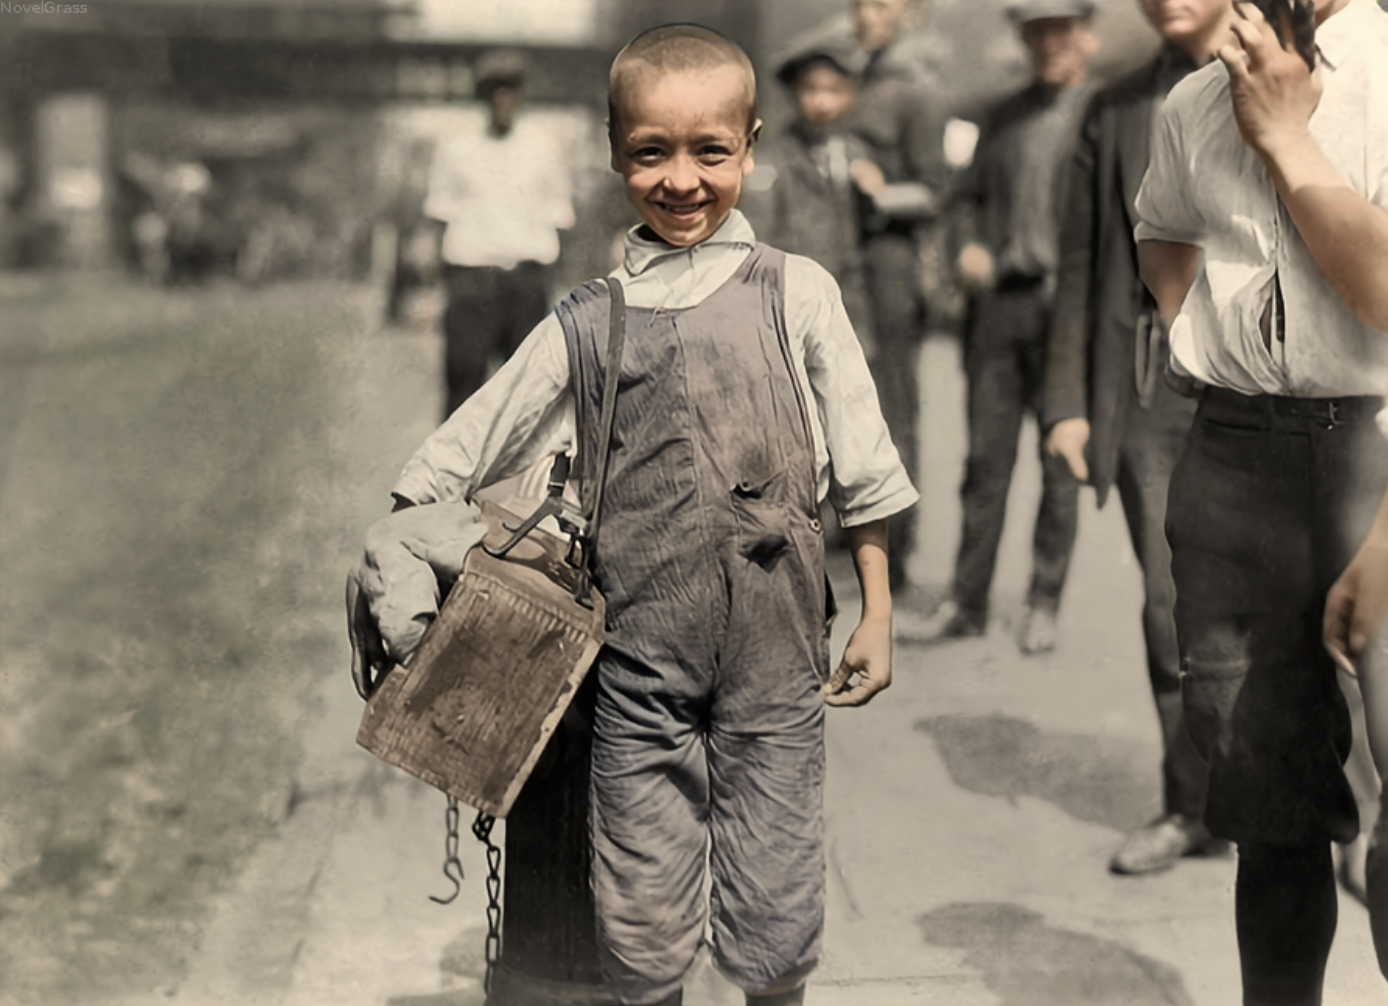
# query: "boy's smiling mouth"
{"type": "Point", "coordinates": [683, 209]}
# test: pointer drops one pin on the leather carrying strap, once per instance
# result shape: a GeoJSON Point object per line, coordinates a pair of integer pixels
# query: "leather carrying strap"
{"type": "Point", "coordinates": [616, 340]}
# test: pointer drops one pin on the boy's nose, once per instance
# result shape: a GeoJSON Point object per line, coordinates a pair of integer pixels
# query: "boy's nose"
{"type": "Point", "coordinates": [682, 175]}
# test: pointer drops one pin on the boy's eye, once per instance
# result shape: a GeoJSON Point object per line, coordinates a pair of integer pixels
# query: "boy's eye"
{"type": "Point", "coordinates": [646, 153]}
{"type": "Point", "coordinates": [714, 153]}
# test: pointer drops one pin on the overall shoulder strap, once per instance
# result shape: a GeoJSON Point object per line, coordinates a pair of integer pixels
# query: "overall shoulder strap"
{"type": "Point", "coordinates": [592, 511]}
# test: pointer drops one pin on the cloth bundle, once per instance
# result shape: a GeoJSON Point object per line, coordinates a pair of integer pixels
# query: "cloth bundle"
{"type": "Point", "coordinates": [411, 559]}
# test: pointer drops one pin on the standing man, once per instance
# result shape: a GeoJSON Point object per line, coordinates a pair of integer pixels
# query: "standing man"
{"type": "Point", "coordinates": [1009, 225]}
{"type": "Point", "coordinates": [502, 195]}
{"type": "Point", "coordinates": [1113, 429]}
{"type": "Point", "coordinates": [1262, 235]}
{"type": "Point", "coordinates": [904, 129]}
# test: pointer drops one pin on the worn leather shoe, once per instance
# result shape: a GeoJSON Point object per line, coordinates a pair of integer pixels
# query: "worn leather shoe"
{"type": "Point", "coordinates": [1158, 845]}
{"type": "Point", "coordinates": [1038, 633]}
{"type": "Point", "coordinates": [948, 621]}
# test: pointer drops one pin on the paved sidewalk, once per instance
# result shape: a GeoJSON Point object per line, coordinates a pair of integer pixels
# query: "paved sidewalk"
{"type": "Point", "coordinates": [971, 811]}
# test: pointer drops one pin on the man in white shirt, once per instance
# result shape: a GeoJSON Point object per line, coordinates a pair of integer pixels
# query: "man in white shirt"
{"type": "Point", "coordinates": [502, 195]}
{"type": "Point", "coordinates": [1264, 235]}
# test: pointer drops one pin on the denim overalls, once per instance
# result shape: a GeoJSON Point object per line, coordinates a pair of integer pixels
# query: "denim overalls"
{"type": "Point", "coordinates": [708, 738]}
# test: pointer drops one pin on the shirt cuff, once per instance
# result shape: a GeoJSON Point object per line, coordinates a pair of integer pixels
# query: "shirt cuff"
{"type": "Point", "coordinates": [902, 499]}
{"type": "Point", "coordinates": [1147, 231]}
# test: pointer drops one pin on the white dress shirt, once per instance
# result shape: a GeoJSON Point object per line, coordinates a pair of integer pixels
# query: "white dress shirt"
{"type": "Point", "coordinates": [502, 199]}
{"type": "Point", "coordinates": [526, 411]}
{"type": "Point", "coordinates": [1205, 187]}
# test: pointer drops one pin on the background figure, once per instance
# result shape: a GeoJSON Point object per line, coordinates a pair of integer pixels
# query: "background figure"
{"type": "Point", "coordinates": [502, 196]}
{"type": "Point", "coordinates": [904, 129]}
{"type": "Point", "coordinates": [802, 197]}
{"type": "Point", "coordinates": [1110, 430]}
{"type": "Point", "coordinates": [1008, 221]}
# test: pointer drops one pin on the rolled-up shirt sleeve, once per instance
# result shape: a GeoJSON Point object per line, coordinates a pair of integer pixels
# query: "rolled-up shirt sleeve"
{"type": "Point", "coordinates": [861, 473]}
{"type": "Point", "coordinates": [1166, 206]}
{"type": "Point", "coordinates": [524, 413]}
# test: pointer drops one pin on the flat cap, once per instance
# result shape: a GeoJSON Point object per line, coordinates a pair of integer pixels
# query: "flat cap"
{"type": "Point", "coordinates": [1041, 10]}
{"type": "Point", "coordinates": [842, 56]}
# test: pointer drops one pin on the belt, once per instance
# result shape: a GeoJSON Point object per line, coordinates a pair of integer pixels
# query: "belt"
{"type": "Point", "coordinates": [1217, 403]}
{"type": "Point", "coordinates": [1015, 281]}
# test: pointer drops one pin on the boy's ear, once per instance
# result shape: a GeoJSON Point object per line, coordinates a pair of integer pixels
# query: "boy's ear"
{"type": "Point", "coordinates": [611, 145]}
{"type": "Point", "coordinates": [755, 134]}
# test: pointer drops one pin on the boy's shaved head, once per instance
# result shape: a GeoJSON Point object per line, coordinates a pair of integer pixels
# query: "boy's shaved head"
{"type": "Point", "coordinates": [676, 48]}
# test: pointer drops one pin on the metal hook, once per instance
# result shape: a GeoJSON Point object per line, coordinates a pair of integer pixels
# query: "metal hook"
{"type": "Point", "coordinates": [448, 869]}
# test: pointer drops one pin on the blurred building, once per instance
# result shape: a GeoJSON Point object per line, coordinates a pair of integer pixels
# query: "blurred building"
{"type": "Point", "coordinates": [268, 137]}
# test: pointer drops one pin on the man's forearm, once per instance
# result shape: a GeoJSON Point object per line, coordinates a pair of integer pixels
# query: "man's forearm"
{"type": "Point", "coordinates": [1346, 233]}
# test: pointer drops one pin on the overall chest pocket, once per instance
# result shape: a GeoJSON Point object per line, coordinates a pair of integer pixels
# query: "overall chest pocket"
{"type": "Point", "coordinates": [764, 518]}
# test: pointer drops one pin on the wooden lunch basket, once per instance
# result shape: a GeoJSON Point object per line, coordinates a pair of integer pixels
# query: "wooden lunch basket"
{"type": "Point", "coordinates": [480, 698]}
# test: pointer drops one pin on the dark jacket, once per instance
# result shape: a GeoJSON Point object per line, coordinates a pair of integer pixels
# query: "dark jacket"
{"type": "Point", "coordinates": [1012, 196]}
{"type": "Point", "coordinates": [1100, 298]}
{"type": "Point", "coordinates": [795, 206]}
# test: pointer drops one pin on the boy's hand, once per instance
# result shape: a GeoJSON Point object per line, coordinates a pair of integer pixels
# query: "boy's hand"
{"type": "Point", "coordinates": [1274, 91]}
{"type": "Point", "coordinates": [369, 661]}
{"type": "Point", "coordinates": [395, 589]}
{"type": "Point", "coordinates": [866, 667]}
{"type": "Point", "coordinates": [1357, 605]}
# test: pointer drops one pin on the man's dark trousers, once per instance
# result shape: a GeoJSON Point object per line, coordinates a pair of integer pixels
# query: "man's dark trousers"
{"type": "Point", "coordinates": [894, 282]}
{"type": "Point", "coordinates": [1004, 364]}
{"type": "Point", "coordinates": [1152, 440]}
{"type": "Point", "coordinates": [489, 313]}
{"type": "Point", "coordinates": [1268, 503]}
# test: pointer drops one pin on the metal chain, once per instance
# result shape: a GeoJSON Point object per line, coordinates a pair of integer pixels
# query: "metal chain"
{"type": "Point", "coordinates": [482, 829]}
{"type": "Point", "coordinates": [452, 865]}
{"type": "Point", "coordinates": [453, 870]}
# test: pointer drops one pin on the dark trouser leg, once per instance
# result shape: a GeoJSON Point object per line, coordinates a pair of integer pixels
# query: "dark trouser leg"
{"type": "Point", "coordinates": [1150, 448]}
{"type": "Point", "coordinates": [489, 313]}
{"type": "Point", "coordinates": [474, 326]}
{"type": "Point", "coordinates": [894, 281]}
{"type": "Point", "coordinates": [1057, 518]}
{"type": "Point", "coordinates": [996, 401]}
{"type": "Point", "coordinates": [527, 303]}
{"type": "Point", "coordinates": [1285, 913]}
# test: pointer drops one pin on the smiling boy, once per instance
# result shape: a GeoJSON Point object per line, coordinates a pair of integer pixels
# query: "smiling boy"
{"type": "Point", "coordinates": [744, 401]}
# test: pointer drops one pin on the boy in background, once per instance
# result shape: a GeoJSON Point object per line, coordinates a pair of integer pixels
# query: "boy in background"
{"type": "Point", "coordinates": [802, 197]}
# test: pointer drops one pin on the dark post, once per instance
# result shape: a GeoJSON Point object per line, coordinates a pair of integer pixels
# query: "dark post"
{"type": "Point", "coordinates": [549, 953]}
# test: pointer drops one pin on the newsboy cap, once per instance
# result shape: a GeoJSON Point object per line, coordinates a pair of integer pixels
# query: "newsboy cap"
{"type": "Point", "coordinates": [844, 58]}
{"type": "Point", "coordinates": [1041, 10]}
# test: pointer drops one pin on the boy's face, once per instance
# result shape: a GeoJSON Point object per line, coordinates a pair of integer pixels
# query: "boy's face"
{"type": "Point", "coordinates": [824, 94]}
{"type": "Point", "coordinates": [682, 143]}
{"type": "Point", "coordinates": [1060, 49]}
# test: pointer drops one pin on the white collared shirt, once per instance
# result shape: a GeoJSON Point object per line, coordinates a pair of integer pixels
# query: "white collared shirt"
{"type": "Point", "coordinates": [502, 200]}
{"type": "Point", "coordinates": [526, 411]}
{"type": "Point", "coordinates": [1205, 187]}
